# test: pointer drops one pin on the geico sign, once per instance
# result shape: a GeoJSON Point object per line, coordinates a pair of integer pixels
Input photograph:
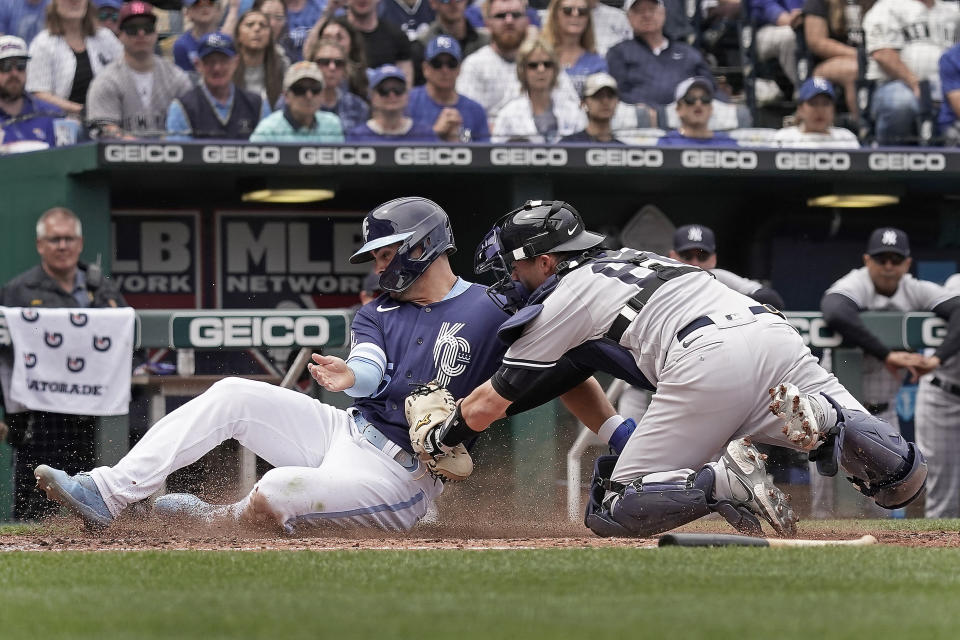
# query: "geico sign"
{"type": "Point", "coordinates": [815, 332]}
{"type": "Point", "coordinates": [907, 162]}
{"type": "Point", "coordinates": [538, 157]}
{"type": "Point", "coordinates": [345, 156]}
{"type": "Point", "coordinates": [624, 158]}
{"type": "Point", "coordinates": [459, 156]}
{"type": "Point", "coordinates": [240, 154]}
{"type": "Point", "coordinates": [933, 331]}
{"type": "Point", "coordinates": [718, 159]}
{"type": "Point", "coordinates": [812, 161]}
{"type": "Point", "coordinates": [161, 153]}
{"type": "Point", "coordinates": [258, 332]}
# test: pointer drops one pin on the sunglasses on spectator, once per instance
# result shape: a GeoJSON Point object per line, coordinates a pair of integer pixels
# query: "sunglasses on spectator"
{"type": "Point", "coordinates": [133, 29]}
{"type": "Point", "coordinates": [395, 89]}
{"type": "Point", "coordinates": [446, 61]}
{"type": "Point", "coordinates": [339, 63]}
{"type": "Point", "coordinates": [700, 255]}
{"type": "Point", "coordinates": [574, 11]}
{"type": "Point", "coordinates": [540, 64]}
{"type": "Point", "coordinates": [516, 15]}
{"type": "Point", "coordinates": [108, 15]}
{"type": "Point", "coordinates": [893, 258]}
{"type": "Point", "coordinates": [8, 65]}
{"type": "Point", "coordinates": [314, 88]}
{"type": "Point", "coordinates": [692, 100]}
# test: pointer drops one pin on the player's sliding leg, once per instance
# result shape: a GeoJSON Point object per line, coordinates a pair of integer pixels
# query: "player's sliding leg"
{"type": "Point", "coordinates": [880, 463]}
{"type": "Point", "coordinates": [282, 426]}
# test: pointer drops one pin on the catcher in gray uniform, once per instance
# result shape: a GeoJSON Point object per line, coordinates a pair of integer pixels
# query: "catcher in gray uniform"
{"type": "Point", "coordinates": [884, 284]}
{"type": "Point", "coordinates": [709, 352]}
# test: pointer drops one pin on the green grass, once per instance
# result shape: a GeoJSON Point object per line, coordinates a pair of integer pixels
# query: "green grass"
{"type": "Point", "coordinates": [880, 592]}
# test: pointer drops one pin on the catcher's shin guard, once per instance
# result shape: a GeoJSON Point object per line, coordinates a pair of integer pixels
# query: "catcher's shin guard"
{"type": "Point", "coordinates": [880, 462]}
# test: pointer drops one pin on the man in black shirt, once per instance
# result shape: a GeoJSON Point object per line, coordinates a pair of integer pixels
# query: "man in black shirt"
{"type": "Point", "coordinates": [600, 100]}
{"type": "Point", "coordinates": [385, 43]}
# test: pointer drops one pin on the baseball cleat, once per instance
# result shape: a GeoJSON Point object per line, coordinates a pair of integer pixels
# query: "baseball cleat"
{"type": "Point", "coordinates": [186, 507]}
{"type": "Point", "coordinates": [802, 415]}
{"type": "Point", "coordinates": [79, 494]}
{"type": "Point", "coordinates": [747, 480]}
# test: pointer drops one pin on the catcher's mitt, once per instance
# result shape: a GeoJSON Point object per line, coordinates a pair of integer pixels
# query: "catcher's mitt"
{"type": "Point", "coordinates": [426, 409]}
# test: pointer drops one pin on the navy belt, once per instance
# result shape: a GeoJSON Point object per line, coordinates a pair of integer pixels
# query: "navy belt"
{"type": "Point", "coordinates": [377, 439]}
{"type": "Point", "coordinates": [704, 321]}
{"type": "Point", "coordinates": [946, 386]}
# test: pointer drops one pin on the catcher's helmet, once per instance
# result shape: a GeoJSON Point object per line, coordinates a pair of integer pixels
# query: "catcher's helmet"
{"type": "Point", "coordinates": [536, 228]}
{"type": "Point", "coordinates": [413, 222]}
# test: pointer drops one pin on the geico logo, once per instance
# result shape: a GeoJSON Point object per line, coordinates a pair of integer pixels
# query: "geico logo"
{"type": "Point", "coordinates": [347, 156]}
{"type": "Point", "coordinates": [815, 332]}
{"type": "Point", "coordinates": [258, 332]}
{"type": "Point", "coordinates": [144, 153]}
{"type": "Point", "coordinates": [624, 158]}
{"type": "Point", "coordinates": [812, 161]}
{"type": "Point", "coordinates": [528, 157]}
{"type": "Point", "coordinates": [214, 154]}
{"type": "Point", "coordinates": [933, 331]}
{"type": "Point", "coordinates": [717, 159]}
{"type": "Point", "coordinates": [907, 162]}
{"type": "Point", "coordinates": [432, 156]}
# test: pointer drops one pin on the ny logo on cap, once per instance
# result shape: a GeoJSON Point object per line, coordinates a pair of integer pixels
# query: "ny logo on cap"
{"type": "Point", "coordinates": [695, 234]}
{"type": "Point", "coordinates": [889, 237]}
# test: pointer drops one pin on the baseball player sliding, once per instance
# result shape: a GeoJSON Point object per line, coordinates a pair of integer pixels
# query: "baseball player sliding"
{"type": "Point", "coordinates": [709, 352]}
{"type": "Point", "coordinates": [345, 467]}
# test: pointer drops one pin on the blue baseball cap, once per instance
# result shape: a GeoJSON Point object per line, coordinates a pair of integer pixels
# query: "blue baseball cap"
{"type": "Point", "coordinates": [888, 240]}
{"type": "Point", "coordinates": [694, 236]}
{"type": "Point", "coordinates": [385, 72]}
{"type": "Point", "coordinates": [444, 44]}
{"type": "Point", "coordinates": [216, 42]}
{"type": "Point", "coordinates": [113, 4]}
{"type": "Point", "coordinates": [815, 86]}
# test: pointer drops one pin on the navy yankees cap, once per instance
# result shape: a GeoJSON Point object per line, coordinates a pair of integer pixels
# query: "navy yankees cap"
{"type": "Point", "coordinates": [815, 86]}
{"type": "Point", "coordinates": [694, 236]}
{"type": "Point", "coordinates": [888, 240]}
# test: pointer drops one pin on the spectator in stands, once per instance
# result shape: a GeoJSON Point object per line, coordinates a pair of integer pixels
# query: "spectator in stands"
{"type": "Point", "coordinates": [66, 55]}
{"type": "Point", "coordinates": [451, 22]}
{"type": "Point", "coordinates": [610, 25]}
{"type": "Point", "coordinates": [568, 28]}
{"type": "Point", "coordinates": [333, 62]}
{"type": "Point", "coordinates": [776, 36]}
{"type": "Point", "coordinates": [23, 18]}
{"type": "Point", "coordinates": [719, 31]}
{"type": "Point", "coordinates": [905, 39]}
{"type": "Point", "coordinates": [834, 30]}
{"type": "Point", "coordinates": [677, 25]}
{"type": "Point", "coordinates": [339, 28]}
{"type": "Point", "coordinates": [815, 113]}
{"type": "Point", "coordinates": [412, 16]}
{"type": "Point", "coordinates": [388, 103]}
{"type": "Point", "coordinates": [649, 67]}
{"type": "Point", "coordinates": [385, 42]}
{"type": "Point", "coordinates": [694, 98]}
{"type": "Point", "coordinates": [537, 115]}
{"type": "Point", "coordinates": [108, 14]}
{"type": "Point", "coordinates": [260, 67]}
{"type": "Point", "coordinates": [60, 280]}
{"type": "Point", "coordinates": [216, 107]}
{"type": "Point", "coordinates": [455, 118]}
{"type": "Point", "coordinates": [600, 100]}
{"type": "Point", "coordinates": [130, 97]}
{"type": "Point", "coordinates": [22, 116]}
{"type": "Point", "coordinates": [477, 16]}
{"type": "Point", "coordinates": [289, 43]}
{"type": "Point", "coordinates": [204, 16]}
{"type": "Point", "coordinates": [301, 119]}
{"type": "Point", "coordinates": [950, 85]}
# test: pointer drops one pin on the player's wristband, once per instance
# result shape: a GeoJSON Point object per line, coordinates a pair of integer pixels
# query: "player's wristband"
{"type": "Point", "coordinates": [621, 435]}
{"type": "Point", "coordinates": [455, 429]}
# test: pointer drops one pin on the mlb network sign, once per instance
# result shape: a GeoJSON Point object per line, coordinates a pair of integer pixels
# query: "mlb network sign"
{"type": "Point", "coordinates": [225, 330]}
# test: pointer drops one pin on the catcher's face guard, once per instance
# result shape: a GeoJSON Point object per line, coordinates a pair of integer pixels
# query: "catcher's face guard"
{"type": "Point", "coordinates": [508, 294]}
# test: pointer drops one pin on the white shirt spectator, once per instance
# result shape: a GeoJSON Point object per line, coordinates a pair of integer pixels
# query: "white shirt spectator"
{"type": "Point", "coordinates": [515, 120]}
{"type": "Point", "coordinates": [835, 138]}
{"type": "Point", "coordinates": [610, 26]}
{"type": "Point", "coordinates": [921, 34]}
{"type": "Point", "coordinates": [53, 64]}
{"type": "Point", "coordinates": [487, 78]}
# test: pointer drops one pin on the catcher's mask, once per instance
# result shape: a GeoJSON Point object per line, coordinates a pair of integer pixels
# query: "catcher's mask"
{"type": "Point", "coordinates": [416, 223]}
{"type": "Point", "coordinates": [536, 228]}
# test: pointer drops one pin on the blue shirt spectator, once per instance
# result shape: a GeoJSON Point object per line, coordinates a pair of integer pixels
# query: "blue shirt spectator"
{"type": "Point", "coordinates": [370, 132]}
{"type": "Point", "coordinates": [388, 104]}
{"type": "Point", "coordinates": [694, 98]}
{"type": "Point", "coordinates": [301, 20]}
{"type": "Point", "coordinates": [950, 84]}
{"type": "Point", "coordinates": [676, 139]}
{"type": "Point", "coordinates": [769, 11]}
{"type": "Point", "coordinates": [413, 20]}
{"type": "Point", "coordinates": [203, 15]}
{"type": "Point", "coordinates": [23, 18]}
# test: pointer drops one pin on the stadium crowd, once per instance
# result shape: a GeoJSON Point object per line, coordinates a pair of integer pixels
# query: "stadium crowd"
{"type": "Point", "coordinates": [827, 73]}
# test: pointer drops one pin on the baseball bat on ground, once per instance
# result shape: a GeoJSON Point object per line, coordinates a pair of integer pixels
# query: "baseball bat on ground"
{"type": "Point", "coordinates": [730, 540]}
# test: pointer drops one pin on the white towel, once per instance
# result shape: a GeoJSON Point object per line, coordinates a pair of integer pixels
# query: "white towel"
{"type": "Point", "coordinates": [73, 361]}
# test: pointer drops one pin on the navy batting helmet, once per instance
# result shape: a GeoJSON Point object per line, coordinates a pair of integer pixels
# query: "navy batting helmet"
{"type": "Point", "coordinates": [416, 223]}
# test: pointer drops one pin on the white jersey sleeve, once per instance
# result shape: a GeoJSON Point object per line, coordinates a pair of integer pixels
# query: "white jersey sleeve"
{"type": "Point", "coordinates": [856, 285]}
{"type": "Point", "coordinates": [911, 295]}
{"type": "Point", "coordinates": [735, 282]}
{"type": "Point", "coordinates": [881, 25]}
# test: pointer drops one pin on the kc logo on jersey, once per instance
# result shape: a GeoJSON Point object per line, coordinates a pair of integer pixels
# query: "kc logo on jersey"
{"type": "Point", "coordinates": [451, 353]}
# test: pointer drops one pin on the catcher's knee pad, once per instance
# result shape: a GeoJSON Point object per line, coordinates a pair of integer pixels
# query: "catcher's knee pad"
{"type": "Point", "coordinates": [640, 510]}
{"type": "Point", "coordinates": [881, 463]}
